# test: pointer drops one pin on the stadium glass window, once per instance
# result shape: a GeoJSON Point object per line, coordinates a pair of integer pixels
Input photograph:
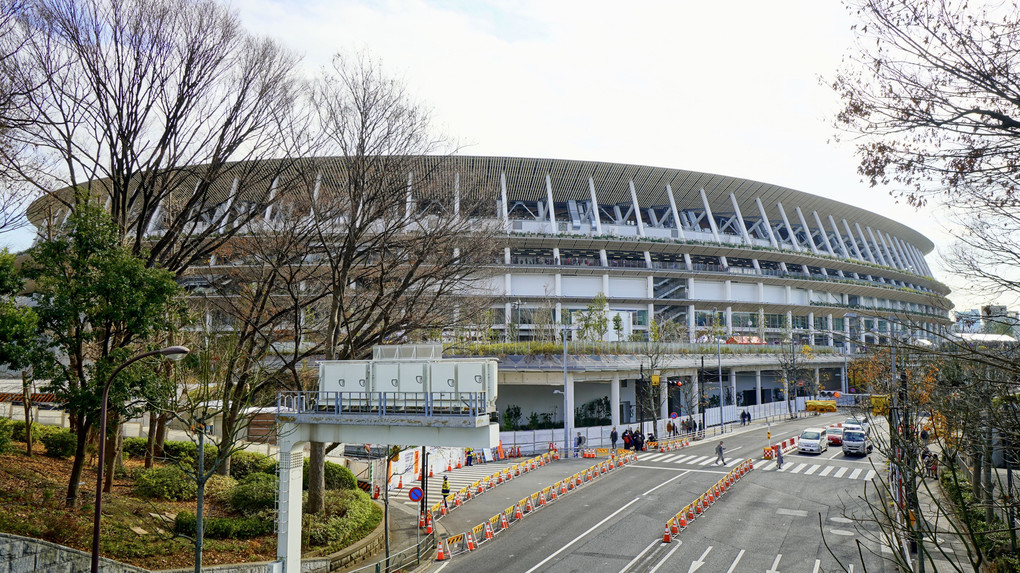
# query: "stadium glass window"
{"type": "Point", "coordinates": [820, 323]}
{"type": "Point", "coordinates": [775, 320]}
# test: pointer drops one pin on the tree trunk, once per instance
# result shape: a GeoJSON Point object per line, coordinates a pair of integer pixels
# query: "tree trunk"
{"type": "Point", "coordinates": [76, 467]}
{"type": "Point", "coordinates": [26, 388]}
{"type": "Point", "coordinates": [150, 444]}
{"type": "Point", "coordinates": [316, 478]}
{"type": "Point", "coordinates": [976, 465]}
{"type": "Point", "coordinates": [161, 423]}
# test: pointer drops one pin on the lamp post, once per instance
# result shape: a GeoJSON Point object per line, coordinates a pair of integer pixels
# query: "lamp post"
{"type": "Point", "coordinates": [172, 352]}
{"type": "Point", "coordinates": [718, 349]}
{"type": "Point", "coordinates": [846, 352]}
{"type": "Point", "coordinates": [566, 426]}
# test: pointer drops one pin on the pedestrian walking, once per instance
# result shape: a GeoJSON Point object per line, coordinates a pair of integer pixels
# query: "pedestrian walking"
{"type": "Point", "coordinates": [719, 452]}
{"type": "Point", "coordinates": [779, 457]}
{"type": "Point", "coordinates": [578, 442]}
{"type": "Point", "coordinates": [613, 436]}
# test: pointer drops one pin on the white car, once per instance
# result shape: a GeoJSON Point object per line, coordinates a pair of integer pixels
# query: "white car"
{"type": "Point", "coordinates": [813, 440]}
{"type": "Point", "coordinates": [862, 422]}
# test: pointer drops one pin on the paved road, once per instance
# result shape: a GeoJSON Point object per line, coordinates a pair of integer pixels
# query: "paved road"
{"type": "Point", "coordinates": [772, 521]}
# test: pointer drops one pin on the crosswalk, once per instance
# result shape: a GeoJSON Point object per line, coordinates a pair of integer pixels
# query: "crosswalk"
{"type": "Point", "coordinates": [792, 467]}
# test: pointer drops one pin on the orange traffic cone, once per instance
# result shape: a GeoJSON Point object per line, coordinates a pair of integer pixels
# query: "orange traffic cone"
{"type": "Point", "coordinates": [552, 493]}
{"type": "Point", "coordinates": [445, 508]}
{"type": "Point", "coordinates": [421, 520]}
{"type": "Point", "coordinates": [470, 542]}
{"type": "Point", "coordinates": [529, 508]}
{"type": "Point", "coordinates": [488, 531]}
{"type": "Point", "coordinates": [456, 500]}
{"type": "Point", "coordinates": [428, 525]}
{"type": "Point", "coordinates": [518, 514]}
{"type": "Point", "coordinates": [610, 463]}
{"type": "Point", "coordinates": [499, 477]}
{"type": "Point", "coordinates": [400, 484]}
{"type": "Point", "coordinates": [449, 468]}
{"type": "Point", "coordinates": [563, 487]}
{"type": "Point", "coordinates": [578, 479]}
{"type": "Point", "coordinates": [690, 512]}
{"type": "Point", "coordinates": [441, 555]}
{"type": "Point", "coordinates": [430, 471]}
{"type": "Point", "coordinates": [541, 499]}
{"type": "Point", "coordinates": [504, 524]}
{"type": "Point", "coordinates": [458, 463]}
{"type": "Point", "coordinates": [674, 529]}
{"type": "Point", "coordinates": [683, 521]}
{"type": "Point", "coordinates": [665, 536]}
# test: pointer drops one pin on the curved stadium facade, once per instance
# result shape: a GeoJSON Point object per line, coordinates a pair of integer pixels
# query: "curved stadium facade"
{"type": "Point", "coordinates": [718, 255]}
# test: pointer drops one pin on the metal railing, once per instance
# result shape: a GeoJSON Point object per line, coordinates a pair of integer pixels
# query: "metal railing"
{"type": "Point", "coordinates": [460, 404]}
{"type": "Point", "coordinates": [413, 555]}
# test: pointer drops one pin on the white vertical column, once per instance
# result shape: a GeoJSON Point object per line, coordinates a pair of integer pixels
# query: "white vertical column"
{"type": "Point", "coordinates": [894, 259]}
{"type": "Point", "coordinates": [568, 397]}
{"type": "Point", "coordinates": [768, 224]}
{"type": "Point", "coordinates": [288, 534]}
{"type": "Point", "coordinates": [552, 210]}
{"type": "Point", "coordinates": [676, 213]}
{"type": "Point", "coordinates": [225, 216]}
{"type": "Point", "coordinates": [708, 213]}
{"type": "Point", "coordinates": [614, 400]}
{"type": "Point", "coordinates": [757, 386]}
{"type": "Point", "coordinates": [740, 220]}
{"type": "Point", "coordinates": [637, 210]}
{"type": "Point", "coordinates": [456, 195]}
{"type": "Point", "coordinates": [272, 199]}
{"type": "Point", "coordinates": [663, 405]}
{"type": "Point", "coordinates": [690, 323]}
{"type": "Point", "coordinates": [504, 202]}
{"type": "Point", "coordinates": [408, 199]}
{"type": "Point", "coordinates": [595, 207]}
{"type": "Point", "coordinates": [789, 228]}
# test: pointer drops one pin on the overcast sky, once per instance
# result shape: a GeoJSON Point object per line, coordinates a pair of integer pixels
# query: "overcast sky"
{"type": "Point", "coordinates": [735, 88]}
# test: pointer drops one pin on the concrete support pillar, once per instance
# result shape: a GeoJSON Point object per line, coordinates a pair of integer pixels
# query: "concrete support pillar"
{"type": "Point", "coordinates": [663, 405]}
{"type": "Point", "coordinates": [568, 414]}
{"type": "Point", "coordinates": [757, 385]}
{"type": "Point", "coordinates": [733, 385]}
{"type": "Point", "coordinates": [614, 400]}
{"type": "Point", "coordinates": [288, 536]}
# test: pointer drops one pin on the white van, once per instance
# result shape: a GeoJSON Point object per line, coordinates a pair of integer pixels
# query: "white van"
{"type": "Point", "coordinates": [813, 440]}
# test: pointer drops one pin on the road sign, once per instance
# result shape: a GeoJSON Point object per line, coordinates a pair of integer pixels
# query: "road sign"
{"type": "Point", "coordinates": [673, 415]}
{"type": "Point", "coordinates": [415, 494]}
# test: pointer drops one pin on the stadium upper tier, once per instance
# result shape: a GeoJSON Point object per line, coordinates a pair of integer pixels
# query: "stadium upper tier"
{"type": "Point", "coordinates": [697, 248]}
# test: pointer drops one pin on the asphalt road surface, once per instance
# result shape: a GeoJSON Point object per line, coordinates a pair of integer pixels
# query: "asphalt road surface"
{"type": "Point", "coordinates": [807, 517]}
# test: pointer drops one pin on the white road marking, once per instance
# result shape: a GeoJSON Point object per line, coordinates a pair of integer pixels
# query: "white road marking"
{"type": "Point", "coordinates": [840, 472]}
{"type": "Point", "coordinates": [634, 560]}
{"type": "Point", "coordinates": [826, 471]}
{"type": "Point", "coordinates": [818, 563]}
{"type": "Point", "coordinates": [665, 482]}
{"type": "Point", "coordinates": [654, 457]}
{"type": "Point", "coordinates": [841, 532]}
{"type": "Point", "coordinates": [684, 459]}
{"type": "Point", "coordinates": [841, 519]}
{"type": "Point", "coordinates": [812, 469]}
{"type": "Point", "coordinates": [699, 459]}
{"type": "Point", "coordinates": [582, 536]}
{"type": "Point", "coordinates": [870, 476]}
{"type": "Point", "coordinates": [666, 558]}
{"type": "Point", "coordinates": [735, 561]}
{"type": "Point", "coordinates": [443, 566]}
{"type": "Point", "coordinates": [710, 460]}
{"type": "Point", "coordinates": [765, 465]}
{"type": "Point", "coordinates": [775, 564]}
{"type": "Point", "coordinates": [797, 468]}
{"type": "Point", "coordinates": [695, 565]}
{"type": "Point", "coordinates": [855, 473]}
{"type": "Point", "coordinates": [733, 462]}
{"type": "Point", "coordinates": [793, 512]}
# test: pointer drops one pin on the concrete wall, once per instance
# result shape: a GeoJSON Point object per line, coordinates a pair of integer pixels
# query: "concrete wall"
{"type": "Point", "coordinates": [23, 555]}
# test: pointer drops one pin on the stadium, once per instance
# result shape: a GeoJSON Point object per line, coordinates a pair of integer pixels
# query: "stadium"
{"type": "Point", "coordinates": [740, 268]}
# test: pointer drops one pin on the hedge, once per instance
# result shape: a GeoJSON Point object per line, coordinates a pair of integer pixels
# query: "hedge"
{"type": "Point", "coordinates": [349, 516]}
{"type": "Point", "coordinates": [38, 430]}
{"type": "Point", "coordinates": [337, 476]}
{"type": "Point", "coordinates": [244, 463]}
{"type": "Point", "coordinates": [59, 444]}
{"type": "Point", "coordinates": [254, 493]}
{"type": "Point", "coordinates": [167, 482]}
{"type": "Point", "coordinates": [6, 428]}
{"type": "Point", "coordinates": [225, 527]}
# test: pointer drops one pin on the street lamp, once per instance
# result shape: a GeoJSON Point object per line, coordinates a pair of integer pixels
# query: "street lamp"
{"type": "Point", "coordinates": [566, 426]}
{"type": "Point", "coordinates": [718, 349]}
{"type": "Point", "coordinates": [171, 352]}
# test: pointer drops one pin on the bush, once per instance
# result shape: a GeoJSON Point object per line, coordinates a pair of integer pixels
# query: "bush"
{"type": "Point", "coordinates": [135, 447]}
{"type": "Point", "coordinates": [59, 444]}
{"type": "Point", "coordinates": [168, 482]}
{"type": "Point", "coordinates": [339, 477]}
{"type": "Point", "coordinates": [254, 493]}
{"type": "Point", "coordinates": [6, 427]}
{"type": "Point", "coordinates": [349, 516]}
{"type": "Point", "coordinates": [186, 452]}
{"type": "Point", "coordinates": [244, 463]}
{"type": "Point", "coordinates": [219, 488]}
{"type": "Point", "coordinates": [225, 527]}
{"type": "Point", "coordinates": [38, 430]}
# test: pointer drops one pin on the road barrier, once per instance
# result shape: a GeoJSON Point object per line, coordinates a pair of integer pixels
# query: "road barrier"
{"type": "Point", "coordinates": [698, 507]}
{"type": "Point", "coordinates": [502, 521]}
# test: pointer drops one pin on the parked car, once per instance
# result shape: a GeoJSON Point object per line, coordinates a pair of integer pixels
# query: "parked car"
{"type": "Point", "coordinates": [835, 436]}
{"type": "Point", "coordinates": [813, 440]}
{"type": "Point", "coordinates": [861, 421]}
{"type": "Point", "coordinates": [856, 442]}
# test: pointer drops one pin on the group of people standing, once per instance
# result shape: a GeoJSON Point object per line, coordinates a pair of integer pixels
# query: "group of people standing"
{"type": "Point", "coordinates": [631, 440]}
{"type": "Point", "coordinates": [745, 418]}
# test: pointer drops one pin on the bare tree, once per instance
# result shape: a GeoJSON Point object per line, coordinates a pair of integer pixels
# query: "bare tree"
{"type": "Point", "coordinates": [401, 244]}
{"type": "Point", "coordinates": [652, 397]}
{"type": "Point", "coordinates": [156, 107]}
